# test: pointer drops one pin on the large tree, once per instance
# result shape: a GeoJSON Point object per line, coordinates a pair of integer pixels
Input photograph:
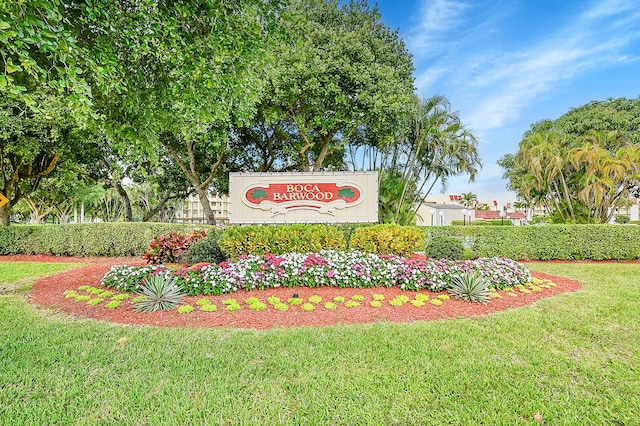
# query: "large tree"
{"type": "Point", "coordinates": [340, 74]}
{"type": "Point", "coordinates": [61, 194]}
{"type": "Point", "coordinates": [182, 74]}
{"type": "Point", "coordinates": [104, 161]}
{"type": "Point", "coordinates": [31, 146]}
{"type": "Point", "coordinates": [582, 165]}
{"type": "Point", "coordinates": [158, 188]}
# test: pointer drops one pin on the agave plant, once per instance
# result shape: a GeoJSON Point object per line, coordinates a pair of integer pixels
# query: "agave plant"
{"type": "Point", "coordinates": [161, 292]}
{"type": "Point", "coordinates": [470, 286]}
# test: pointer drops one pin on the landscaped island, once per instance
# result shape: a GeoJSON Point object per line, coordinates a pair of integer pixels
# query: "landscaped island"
{"type": "Point", "coordinates": [466, 279]}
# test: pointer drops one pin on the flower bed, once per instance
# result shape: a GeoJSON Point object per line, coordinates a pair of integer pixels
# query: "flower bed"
{"type": "Point", "coordinates": [351, 269]}
{"type": "Point", "coordinates": [54, 292]}
{"type": "Point", "coordinates": [299, 306]}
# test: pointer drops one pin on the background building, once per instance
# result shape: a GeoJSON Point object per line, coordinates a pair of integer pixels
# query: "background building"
{"type": "Point", "coordinates": [194, 213]}
{"type": "Point", "coordinates": [443, 214]}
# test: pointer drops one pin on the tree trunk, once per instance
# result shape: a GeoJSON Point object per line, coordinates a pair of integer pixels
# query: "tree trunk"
{"type": "Point", "coordinates": [126, 202]}
{"type": "Point", "coordinates": [37, 215]}
{"type": "Point", "coordinates": [153, 211]}
{"type": "Point", "coordinates": [567, 197]}
{"type": "Point", "coordinates": [4, 215]}
{"type": "Point", "coordinates": [63, 215]}
{"type": "Point", "coordinates": [206, 205]}
{"type": "Point", "coordinates": [190, 172]}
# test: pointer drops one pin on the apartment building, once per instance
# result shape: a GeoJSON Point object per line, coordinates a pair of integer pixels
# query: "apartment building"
{"type": "Point", "coordinates": [193, 212]}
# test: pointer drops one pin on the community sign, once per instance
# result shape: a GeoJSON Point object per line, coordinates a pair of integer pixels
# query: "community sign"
{"type": "Point", "coordinates": [326, 197]}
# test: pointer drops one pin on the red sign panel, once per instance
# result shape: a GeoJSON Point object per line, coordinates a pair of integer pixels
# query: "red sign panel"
{"type": "Point", "coordinates": [280, 197]}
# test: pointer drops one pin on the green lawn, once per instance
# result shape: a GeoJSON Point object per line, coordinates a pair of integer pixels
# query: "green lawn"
{"type": "Point", "coordinates": [573, 358]}
{"type": "Point", "coordinates": [11, 272]}
{"type": "Point", "coordinates": [14, 276]}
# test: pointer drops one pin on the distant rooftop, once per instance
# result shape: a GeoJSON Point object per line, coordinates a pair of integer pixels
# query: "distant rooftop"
{"type": "Point", "coordinates": [491, 214]}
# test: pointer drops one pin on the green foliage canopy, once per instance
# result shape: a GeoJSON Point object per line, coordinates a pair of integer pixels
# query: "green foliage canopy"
{"type": "Point", "coordinates": [180, 75]}
{"type": "Point", "coordinates": [39, 49]}
{"type": "Point", "coordinates": [339, 74]}
{"type": "Point", "coordinates": [31, 145]}
{"type": "Point", "coordinates": [582, 165]}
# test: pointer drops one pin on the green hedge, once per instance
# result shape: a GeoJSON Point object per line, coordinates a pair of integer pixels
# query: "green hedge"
{"type": "Point", "coordinates": [90, 239]}
{"type": "Point", "coordinates": [568, 242]}
{"type": "Point", "coordinates": [589, 242]}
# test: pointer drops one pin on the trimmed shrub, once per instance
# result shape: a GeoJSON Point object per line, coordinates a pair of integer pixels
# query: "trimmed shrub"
{"type": "Point", "coordinates": [205, 250]}
{"type": "Point", "coordinates": [388, 239]}
{"type": "Point", "coordinates": [591, 241]}
{"type": "Point", "coordinates": [307, 238]}
{"type": "Point", "coordinates": [622, 219]}
{"type": "Point", "coordinates": [281, 239]}
{"type": "Point", "coordinates": [6, 241]}
{"type": "Point", "coordinates": [246, 239]}
{"type": "Point", "coordinates": [493, 222]}
{"type": "Point", "coordinates": [443, 247]}
{"type": "Point", "coordinates": [348, 230]}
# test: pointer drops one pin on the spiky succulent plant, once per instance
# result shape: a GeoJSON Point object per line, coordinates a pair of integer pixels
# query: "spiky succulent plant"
{"type": "Point", "coordinates": [161, 291]}
{"type": "Point", "coordinates": [470, 286]}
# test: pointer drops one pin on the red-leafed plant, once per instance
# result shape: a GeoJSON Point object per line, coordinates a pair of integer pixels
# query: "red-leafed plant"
{"type": "Point", "coordinates": [168, 247]}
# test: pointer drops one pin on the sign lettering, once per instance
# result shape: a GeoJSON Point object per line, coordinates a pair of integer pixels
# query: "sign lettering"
{"type": "Point", "coordinates": [281, 197]}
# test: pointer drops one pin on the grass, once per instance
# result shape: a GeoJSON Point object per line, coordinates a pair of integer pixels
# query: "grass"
{"type": "Point", "coordinates": [572, 358]}
{"type": "Point", "coordinates": [15, 271]}
{"type": "Point", "coordinates": [13, 275]}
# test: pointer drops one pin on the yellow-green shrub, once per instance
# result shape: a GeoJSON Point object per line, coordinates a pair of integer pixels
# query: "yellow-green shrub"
{"type": "Point", "coordinates": [281, 239]}
{"type": "Point", "coordinates": [388, 239]}
{"type": "Point", "coordinates": [307, 238]}
{"type": "Point", "coordinates": [246, 239]}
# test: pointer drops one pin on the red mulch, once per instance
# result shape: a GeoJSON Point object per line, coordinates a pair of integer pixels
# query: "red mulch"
{"type": "Point", "coordinates": [48, 293]}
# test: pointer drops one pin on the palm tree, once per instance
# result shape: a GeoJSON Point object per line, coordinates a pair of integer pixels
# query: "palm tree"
{"type": "Point", "coordinates": [468, 199]}
{"type": "Point", "coordinates": [521, 205]}
{"type": "Point", "coordinates": [604, 176]}
{"type": "Point", "coordinates": [434, 146]}
{"type": "Point", "coordinates": [544, 155]}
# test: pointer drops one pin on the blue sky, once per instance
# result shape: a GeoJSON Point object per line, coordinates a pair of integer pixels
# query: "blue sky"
{"type": "Point", "coordinates": [506, 64]}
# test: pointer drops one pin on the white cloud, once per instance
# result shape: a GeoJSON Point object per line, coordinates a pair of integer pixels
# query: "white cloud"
{"type": "Point", "coordinates": [426, 79]}
{"type": "Point", "coordinates": [442, 16]}
{"type": "Point", "coordinates": [607, 9]}
{"type": "Point", "coordinates": [439, 19]}
{"type": "Point", "coordinates": [497, 87]}
{"type": "Point", "coordinates": [462, 51]}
